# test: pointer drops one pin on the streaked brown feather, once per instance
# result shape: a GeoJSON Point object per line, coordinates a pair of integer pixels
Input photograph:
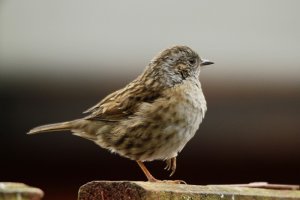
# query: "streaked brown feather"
{"type": "Point", "coordinates": [151, 118]}
{"type": "Point", "coordinates": [122, 103]}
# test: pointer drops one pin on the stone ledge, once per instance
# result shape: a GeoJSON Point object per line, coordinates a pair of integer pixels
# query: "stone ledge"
{"type": "Point", "coordinates": [19, 191]}
{"type": "Point", "coordinates": [108, 190]}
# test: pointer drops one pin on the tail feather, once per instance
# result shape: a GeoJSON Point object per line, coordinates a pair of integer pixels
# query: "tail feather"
{"type": "Point", "coordinates": [52, 127]}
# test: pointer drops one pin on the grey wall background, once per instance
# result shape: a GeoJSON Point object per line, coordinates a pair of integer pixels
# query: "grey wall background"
{"type": "Point", "coordinates": [59, 57]}
{"type": "Point", "coordinates": [247, 39]}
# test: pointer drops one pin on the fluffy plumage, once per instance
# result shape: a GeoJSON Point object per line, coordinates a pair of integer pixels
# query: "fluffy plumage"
{"type": "Point", "coordinates": [151, 118]}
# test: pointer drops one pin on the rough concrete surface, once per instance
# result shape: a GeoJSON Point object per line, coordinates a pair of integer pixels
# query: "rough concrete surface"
{"type": "Point", "coordinates": [107, 190]}
{"type": "Point", "coordinates": [19, 191]}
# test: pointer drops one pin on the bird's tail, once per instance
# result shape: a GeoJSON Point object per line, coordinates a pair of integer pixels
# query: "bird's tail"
{"type": "Point", "coordinates": [54, 127]}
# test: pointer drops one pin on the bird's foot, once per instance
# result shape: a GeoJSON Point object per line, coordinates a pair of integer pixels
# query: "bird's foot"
{"type": "Point", "coordinates": [154, 180]}
{"type": "Point", "coordinates": [174, 181]}
{"type": "Point", "coordinates": [171, 165]}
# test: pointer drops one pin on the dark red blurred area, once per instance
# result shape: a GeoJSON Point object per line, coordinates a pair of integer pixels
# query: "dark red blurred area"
{"type": "Point", "coordinates": [251, 133]}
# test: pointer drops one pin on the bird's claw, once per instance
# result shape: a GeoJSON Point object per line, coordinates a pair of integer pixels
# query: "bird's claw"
{"type": "Point", "coordinates": [171, 165]}
{"type": "Point", "coordinates": [174, 181]}
{"type": "Point", "coordinates": [168, 165]}
{"type": "Point", "coordinates": [167, 181]}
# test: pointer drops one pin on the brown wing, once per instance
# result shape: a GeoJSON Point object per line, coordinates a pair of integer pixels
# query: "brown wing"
{"type": "Point", "coordinates": [122, 103]}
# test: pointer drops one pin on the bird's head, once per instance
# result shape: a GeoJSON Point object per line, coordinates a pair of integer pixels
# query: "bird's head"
{"type": "Point", "coordinates": [175, 64]}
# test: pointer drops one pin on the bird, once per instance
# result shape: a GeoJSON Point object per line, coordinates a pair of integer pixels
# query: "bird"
{"type": "Point", "coordinates": [151, 118]}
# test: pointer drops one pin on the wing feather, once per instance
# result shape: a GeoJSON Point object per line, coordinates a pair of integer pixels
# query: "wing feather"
{"type": "Point", "coordinates": [122, 103]}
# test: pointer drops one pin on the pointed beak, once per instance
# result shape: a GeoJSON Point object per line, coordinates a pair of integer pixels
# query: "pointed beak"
{"type": "Point", "coordinates": [206, 62]}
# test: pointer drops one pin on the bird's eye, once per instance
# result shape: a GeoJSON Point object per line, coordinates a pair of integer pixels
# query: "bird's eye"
{"type": "Point", "coordinates": [192, 61]}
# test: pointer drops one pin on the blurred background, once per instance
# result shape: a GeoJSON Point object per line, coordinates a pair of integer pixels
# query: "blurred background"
{"type": "Point", "coordinates": [59, 57]}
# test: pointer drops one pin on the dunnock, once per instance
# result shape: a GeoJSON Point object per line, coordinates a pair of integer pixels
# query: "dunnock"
{"type": "Point", "coordinates": [151, 118]}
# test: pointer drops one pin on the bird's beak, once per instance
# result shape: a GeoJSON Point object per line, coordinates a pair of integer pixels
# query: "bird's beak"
{"type": "Point", "coordinates": [206, 62]}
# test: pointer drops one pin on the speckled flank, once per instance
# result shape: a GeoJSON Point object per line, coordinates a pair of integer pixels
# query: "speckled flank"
{"type": "Point", "coordinates": [151, 118]}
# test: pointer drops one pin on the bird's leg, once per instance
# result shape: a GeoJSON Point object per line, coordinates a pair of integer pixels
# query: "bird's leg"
{"type": "Point", "coordinates": [146, 172]}
{"type": "Point", "coordinates": [171, 165]}
{"type": "Point", "coordinates": [152, 179]}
